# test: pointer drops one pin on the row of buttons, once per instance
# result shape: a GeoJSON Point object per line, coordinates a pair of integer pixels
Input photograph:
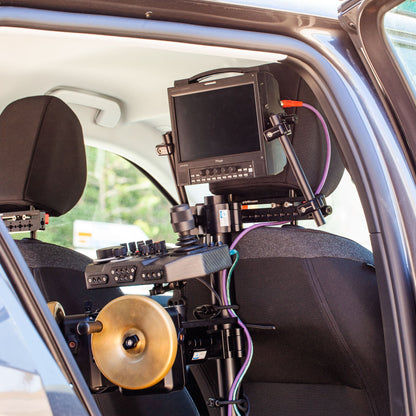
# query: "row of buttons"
{"type": "Point", "coordinates": [124, 278]}
{"type": "Point", "coordinates": [98, 280]}
{"type": "Point", "coordinates": [218, 178]}
{"type": "Point", "coordinates": [217, 171]}
{"type": "Point", "coordinates": [146, 248]}
{"type": "Point", "coordinates": [152, 275]}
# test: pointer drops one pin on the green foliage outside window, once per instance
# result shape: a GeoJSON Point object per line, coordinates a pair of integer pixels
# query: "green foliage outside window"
{"type": "Point", "coordinates": [116, 192]}
{"type": "Point", "coordinates": [407, 7]}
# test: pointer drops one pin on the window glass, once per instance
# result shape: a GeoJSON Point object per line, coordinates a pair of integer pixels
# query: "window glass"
{"type": "Point", "coordinates": [347, 219]}
{"type": "Point", "coordinates": [119, 205]}
{"type": "Point", "coordinates": [400, 28]}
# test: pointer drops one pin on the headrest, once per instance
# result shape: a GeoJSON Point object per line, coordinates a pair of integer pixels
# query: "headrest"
{"type": "Point", "coordinates": [308, 141]}
{"type": "Point", "coordinates": [42, 157]}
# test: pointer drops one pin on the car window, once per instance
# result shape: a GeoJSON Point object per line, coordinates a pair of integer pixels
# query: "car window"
{"type": "Point", "coordinates": [119, 205]}
{"type": "Point", "coordinates": [348, 219]}
{"type": "Point", "coordinates": [400, 28]}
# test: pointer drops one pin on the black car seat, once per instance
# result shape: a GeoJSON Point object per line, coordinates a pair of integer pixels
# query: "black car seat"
{"type": "Point", "coordinates": [43, 165]}
{"type": "Point", "coordinates": [326, 356]}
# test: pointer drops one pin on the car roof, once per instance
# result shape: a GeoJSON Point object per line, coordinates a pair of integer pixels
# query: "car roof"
{"type": "Point", "coordinates": [182, 10]}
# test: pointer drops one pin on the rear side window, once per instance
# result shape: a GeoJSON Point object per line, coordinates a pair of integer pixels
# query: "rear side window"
{"type": "Point", "coordinates": [119, 205]}
{"type": "Point", "coordinates": [400, 28]}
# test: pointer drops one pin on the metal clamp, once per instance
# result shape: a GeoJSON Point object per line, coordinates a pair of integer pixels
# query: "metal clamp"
{"type": "Point", "coordinates": [317, 203]}
{"type": "Point", "coordinates": [211, 402]}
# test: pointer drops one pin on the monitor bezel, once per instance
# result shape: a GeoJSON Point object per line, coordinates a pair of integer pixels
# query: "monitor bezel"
{"type": "Point", "coordinates": [257, 157]}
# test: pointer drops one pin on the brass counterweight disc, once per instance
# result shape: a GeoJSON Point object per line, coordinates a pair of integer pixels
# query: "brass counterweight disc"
{"type": "Point", "coordinates": [57, 311]}
{"type": "Point", "coordinates": [148, 330]}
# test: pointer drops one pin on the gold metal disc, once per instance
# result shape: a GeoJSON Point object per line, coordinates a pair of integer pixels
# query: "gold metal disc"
{"type": "Point", "coordinates": [57, 311]}
{"type": "Point", "coordinates": [149, 361]}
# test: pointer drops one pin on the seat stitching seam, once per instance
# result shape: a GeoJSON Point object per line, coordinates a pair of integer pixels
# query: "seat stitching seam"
{"type": "Point", "coordinates": [35, 146]}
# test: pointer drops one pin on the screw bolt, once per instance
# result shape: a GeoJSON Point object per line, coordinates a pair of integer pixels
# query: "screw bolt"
{"type": "Point", "coordinates": [130, 342]}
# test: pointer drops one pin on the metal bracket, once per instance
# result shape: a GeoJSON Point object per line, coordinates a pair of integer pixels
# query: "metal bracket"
{"type": "Point", "coordinates": [284, 128]}
{"type": "Point", "coordinates": [317, 203]}
{"type": "Point", "coordinates": [20, 221]}
{"type": "Point", "coordinates": [164, 149]}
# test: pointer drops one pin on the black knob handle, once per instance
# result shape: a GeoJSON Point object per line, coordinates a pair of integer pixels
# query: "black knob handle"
{"type": "Point", "coordinates": [132, 247]}
{"type": "Point", "coordinates": [182, 219]}
{"type": "Point", "coordinates": [150, 246]}
{"type": "Point", "coordinates": [142, 248]}
{"type": "Point", "coordinates": [160, 247]}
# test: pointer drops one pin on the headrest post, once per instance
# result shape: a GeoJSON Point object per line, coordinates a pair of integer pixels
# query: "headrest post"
{"type": "Point", "coordinates": [33, 233]}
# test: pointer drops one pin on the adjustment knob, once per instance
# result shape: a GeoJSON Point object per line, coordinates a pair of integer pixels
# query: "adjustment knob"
{"type": "Point", "coordinates": [109, 252]}
{"type": "Point", "coordinates": [141, 248]}
{"type": "Point", "coordinates": [160, 247]}
{"type": "Point", "coordinates": [132, 247]}
{"type": "Point", "coordinates": [150, 246]}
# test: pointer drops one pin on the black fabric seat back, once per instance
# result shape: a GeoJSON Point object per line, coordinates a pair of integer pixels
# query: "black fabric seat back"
{"type": "Point", "coordinates": [59, 273]}
{"type": "Point", "coordinates": [326, 356]}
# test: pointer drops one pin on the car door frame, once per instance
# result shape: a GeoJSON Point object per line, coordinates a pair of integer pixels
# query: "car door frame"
{"type": "Point", "coordinates": [363, 21]}
{"type": "Point", "coordinates": [369, 138]}
{"type": "Point", "coordinates": [34, 304]}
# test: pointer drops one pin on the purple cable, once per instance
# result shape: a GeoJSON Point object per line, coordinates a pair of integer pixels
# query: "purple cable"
{"type": "Point", "coordinates": [328, 146]}
{"type": "Point", "coordinates": [232, 313]}
{"type": "Point", "coordinates": [268, 224]}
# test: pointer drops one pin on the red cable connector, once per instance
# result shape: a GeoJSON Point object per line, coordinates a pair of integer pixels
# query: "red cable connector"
{"type": "Point", "coordinates": [291, 103]}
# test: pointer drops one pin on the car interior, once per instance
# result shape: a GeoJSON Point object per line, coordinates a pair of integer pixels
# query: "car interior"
{"type": "Point", "coordinates": [308, 297]}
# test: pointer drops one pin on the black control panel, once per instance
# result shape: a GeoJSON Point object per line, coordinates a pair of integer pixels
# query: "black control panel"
{"type": "Point", "coordinates": [221, 173]}
{"type": "Point", "coordinates": [151, 262]}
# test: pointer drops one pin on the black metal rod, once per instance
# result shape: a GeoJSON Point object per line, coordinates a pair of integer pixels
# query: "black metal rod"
{"type": "Point", "coordinates": [167, 138]}
{"type": "Point", "coordinates": [228, 367]}
{"type": "Point", "coordinates": [214, 279]}
{"type": "Point", "coordinates": [296, 167]}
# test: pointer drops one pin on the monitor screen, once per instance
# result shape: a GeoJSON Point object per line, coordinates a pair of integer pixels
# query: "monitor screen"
{"type": "Point", "coordinates": [217, 122]}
